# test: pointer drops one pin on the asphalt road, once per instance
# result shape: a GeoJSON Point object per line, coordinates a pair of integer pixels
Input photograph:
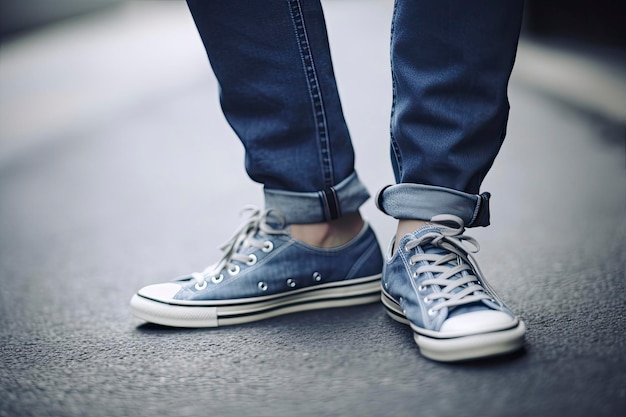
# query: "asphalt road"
{"type": "Point", "coordinates": [117, 170]}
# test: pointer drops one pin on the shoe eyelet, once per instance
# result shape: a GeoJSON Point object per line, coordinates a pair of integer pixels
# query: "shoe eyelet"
{"type": "Point", "coordinates": [251, 259]}
{"type": "Point", "coordinates": [427, 300]}
{"type": "Point", "coordinates": [421, 288]}
{"type": "Point", "coordinates": [317, 277]}
{"type": "Point", "coordinates": [415, 274]}
{"type": "Point", "coordinates": [432, 312]}
{"type": "Point", "coordinates": [291, 283]}
{"type": "Point", "coordinates": [234, 270]}
{"type": "Point", "coordinates": [217, 280]}
{"type": "Point", "coordinates": [262, 286]}
{"type": "Point", "coordinates": [202, 286]}
{"type": "Point", "coordinates": [267, 246]}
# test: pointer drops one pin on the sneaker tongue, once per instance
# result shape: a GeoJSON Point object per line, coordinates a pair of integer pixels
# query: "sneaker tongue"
{"type": "Point", "coordinates": [427, 228]}
{"type": "Point", "coordinates": [458, 310]}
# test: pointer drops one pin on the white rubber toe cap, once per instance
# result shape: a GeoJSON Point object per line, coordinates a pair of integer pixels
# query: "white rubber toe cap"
{"type": "Point", "coordinates": [162, 292]}
{"type": "Point", "coordinates": [477, 322]}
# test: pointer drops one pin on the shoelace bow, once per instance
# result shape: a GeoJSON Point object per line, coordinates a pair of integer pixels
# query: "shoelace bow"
{"type": "Point", "coordinates": [245, 237]}
{"type": "Point", "coordinates": [455, 272]}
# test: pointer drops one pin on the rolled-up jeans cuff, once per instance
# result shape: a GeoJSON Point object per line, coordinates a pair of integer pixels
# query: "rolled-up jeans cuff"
{"type": "Point", "coordinates": [423, 202]}
{"type": "Point", "coordinates": [319, 206]}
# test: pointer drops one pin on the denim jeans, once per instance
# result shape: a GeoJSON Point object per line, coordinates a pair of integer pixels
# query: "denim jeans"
{"type": "Point", "coordinates": [450, 63]}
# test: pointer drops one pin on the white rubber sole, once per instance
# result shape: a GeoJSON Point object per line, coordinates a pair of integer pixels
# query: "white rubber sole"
{"type": "Point", "coordinates": [452, 348]}
{"type": "Point", "coordinates": [229, 312]}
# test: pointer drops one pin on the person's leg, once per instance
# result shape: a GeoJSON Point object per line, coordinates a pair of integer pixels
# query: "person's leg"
{"type": "Point", "coordinates": [278, 92]}
{"type": "Point", "coordinates": [309, 248]}
{"type": "Point", "coordinates": [451, 63]}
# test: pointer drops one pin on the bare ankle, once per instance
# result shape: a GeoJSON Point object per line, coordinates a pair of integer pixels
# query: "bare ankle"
{"type": "Point", "coordinates": [329, 234]}
{"type": "Point", "coordinates": [407, 226]}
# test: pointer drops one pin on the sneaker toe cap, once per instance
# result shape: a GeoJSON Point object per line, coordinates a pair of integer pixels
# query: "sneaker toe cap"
{"type": "Point", "coordinates": [477, 322]}
{"type": "Point", "coordinates": [165, 291]}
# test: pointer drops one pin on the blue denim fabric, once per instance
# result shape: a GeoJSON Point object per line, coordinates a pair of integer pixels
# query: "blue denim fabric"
{"type": "Point", "coordinates": [450, 64]}
{"type": "Point", "coordinates": [278, 92]}
{"type": "Point", "coordinates": [292, 265]}
{"type": "Point", "coordinates": [400, 282]}
{"type": "Point", "coordinates": [350, 192]}
{"type": "Point", "coordinates": [263, 273]}
{"type": "Point", "coordinates": [423, 202]}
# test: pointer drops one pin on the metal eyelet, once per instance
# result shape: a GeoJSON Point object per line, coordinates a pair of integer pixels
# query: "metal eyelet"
{"type": "Point", "coordinates": [427, 300]}
{"type": "Point", "coordinates": [317, 277]}
{"type": "Point", "coordinates": [262, 286]}
{"type": "Point", "coordinates": [431, 312]}
{"type": "Point", "coordinates": [251, 259]}
{"type": "Point", "coordinates": [201, 286]}
{"type": "Point", "coordinates": [421, 288]}
{"type": "Point", "coordinates": [415, 274]}
{"type": "Point", "coordinates": [267, 246]}
{"type": "Point", "coordinates": [217, 280]}
{"type": "Point", "coordinates": [234, 270]}
{"type": "Point", "coordinates": [291, 282]}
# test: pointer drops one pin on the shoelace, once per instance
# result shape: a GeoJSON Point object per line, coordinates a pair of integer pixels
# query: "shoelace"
{"type": "Point", "coordinates": [455, 272]}
{"type": "Point", "coordinates": [245, 237]}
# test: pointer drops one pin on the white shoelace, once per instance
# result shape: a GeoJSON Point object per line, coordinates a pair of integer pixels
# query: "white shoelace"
{"type": "Point", "coordinates": [245, 237]}
{"type": "Point", "coordinates": [453, 271]}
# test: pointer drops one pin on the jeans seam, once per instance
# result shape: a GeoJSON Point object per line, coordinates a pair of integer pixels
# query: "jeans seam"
{"type": "Point", "coordinates": [315, 92]}
{"type": "Point", "coordinates": [324, 204]}
{"type": "Point", "coordinates": [477, 206]}
{"type": "Point", "coordinates": [394, 146]}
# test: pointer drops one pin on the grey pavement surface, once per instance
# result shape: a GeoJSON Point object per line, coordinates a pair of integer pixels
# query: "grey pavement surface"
{"type": "Point", "coordinates": [117, 170]}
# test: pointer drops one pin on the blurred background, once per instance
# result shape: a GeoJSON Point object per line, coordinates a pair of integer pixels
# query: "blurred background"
{"type": "Point", "coordinates": [117, 170]}
{"type": "Point", "coordinates": [91, 57]}
{"type": "Point", "coordinates": [598, 21]}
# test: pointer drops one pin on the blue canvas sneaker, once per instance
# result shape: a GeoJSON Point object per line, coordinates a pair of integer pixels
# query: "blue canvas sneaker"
{"type": "Point", "coordinates": [263, 273]}
{"type": "Point", "coordinates": [433, 284]}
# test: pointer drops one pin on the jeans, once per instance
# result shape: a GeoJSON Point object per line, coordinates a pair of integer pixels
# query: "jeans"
{"type": "Point", "coordinates": [450, 63]}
